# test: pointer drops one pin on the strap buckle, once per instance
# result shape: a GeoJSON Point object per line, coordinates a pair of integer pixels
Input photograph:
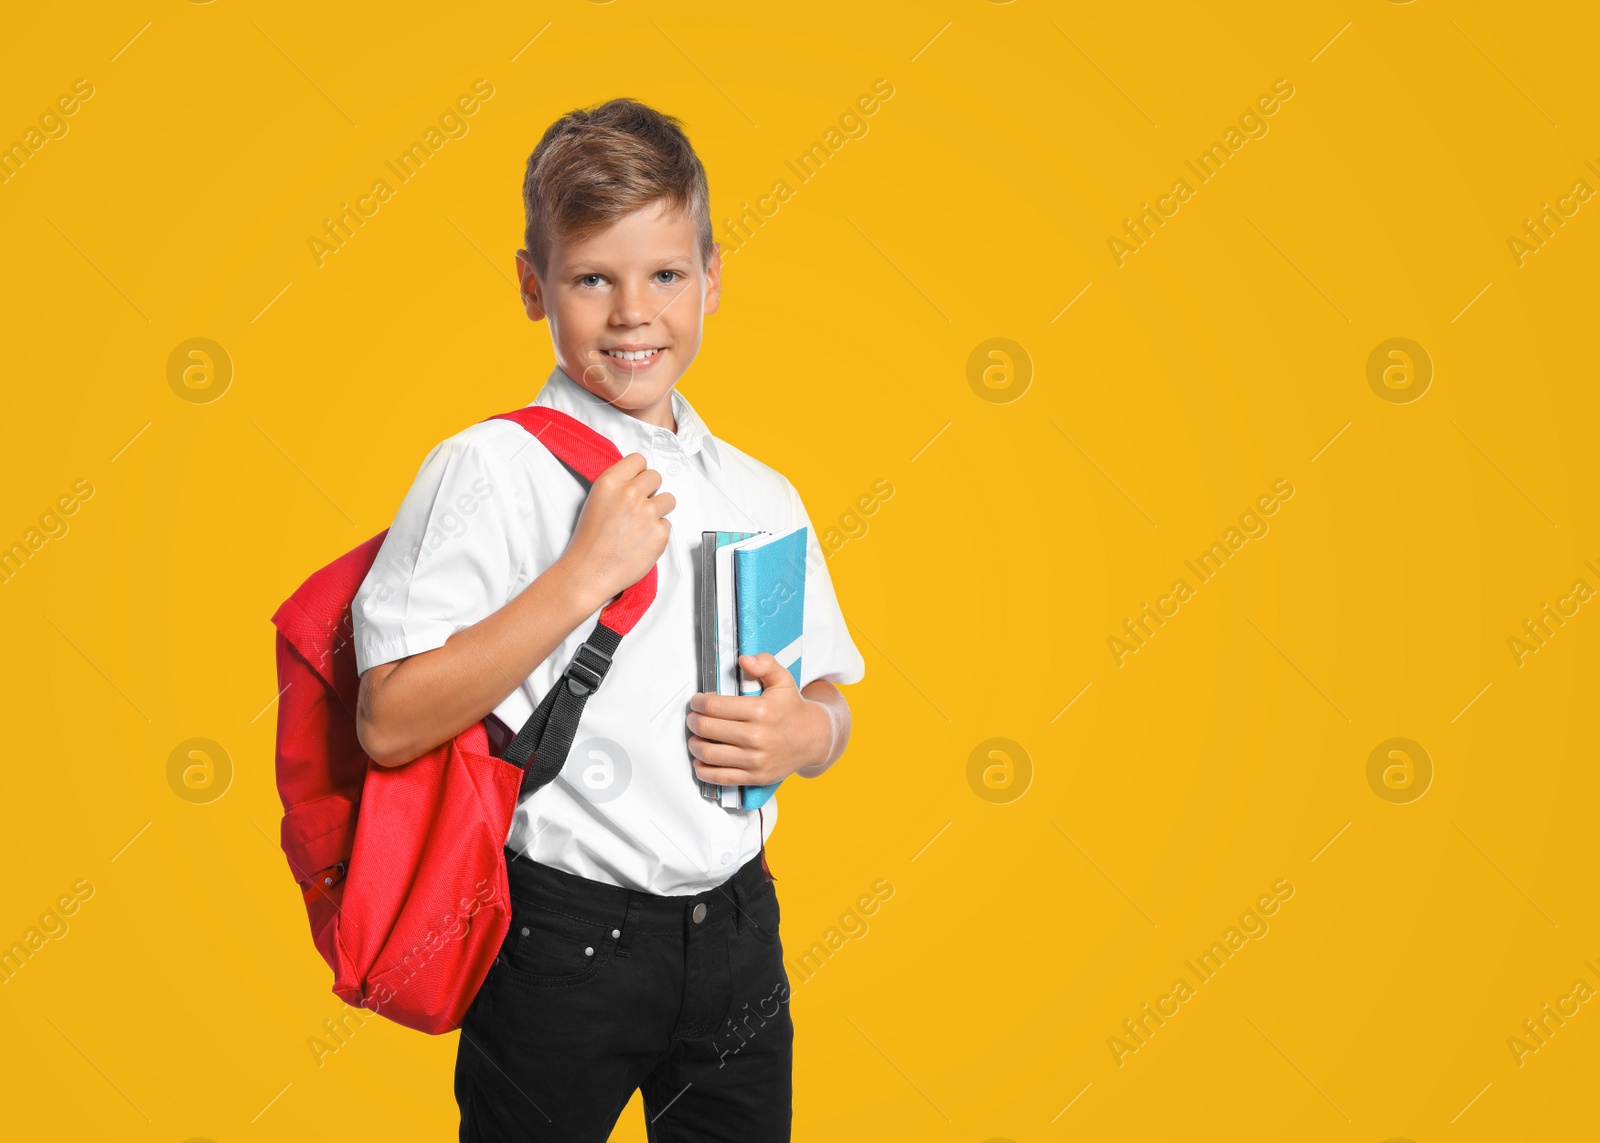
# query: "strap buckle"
{"type": "Point", "coordinates": [584, 676]}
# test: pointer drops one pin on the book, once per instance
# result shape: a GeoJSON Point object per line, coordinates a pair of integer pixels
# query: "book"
{"type": "Point", "coordinates": [752, 599]}
{"type": "Point", "coordinates": [770, 590]}
{"type": "Point", "coordinates": [714, 625]}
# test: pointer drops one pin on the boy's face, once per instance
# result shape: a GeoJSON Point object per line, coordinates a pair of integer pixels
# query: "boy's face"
{"type": "Point", "coordinates": [636, 286]}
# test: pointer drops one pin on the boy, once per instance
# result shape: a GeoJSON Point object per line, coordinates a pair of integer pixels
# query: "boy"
{"type": "Point", "coordinates": [643, 951]}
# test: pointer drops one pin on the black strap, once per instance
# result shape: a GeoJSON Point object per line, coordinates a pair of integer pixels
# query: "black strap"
{"type": "Point", "coordinates": [546, 738]}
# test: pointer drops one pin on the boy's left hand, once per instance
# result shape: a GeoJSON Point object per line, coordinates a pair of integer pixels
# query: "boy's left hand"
{"type": "Point", "coordinates": [756, 740]}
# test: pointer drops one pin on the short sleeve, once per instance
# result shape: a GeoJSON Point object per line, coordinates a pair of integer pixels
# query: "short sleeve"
{"type": "Point", "coordinates": [826, 650]}
{"type": "Point", "coordinates": [451, 557]}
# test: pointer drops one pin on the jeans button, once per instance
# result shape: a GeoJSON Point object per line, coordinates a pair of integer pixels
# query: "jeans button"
{"type": "Point", "coordinates": [699, 913]}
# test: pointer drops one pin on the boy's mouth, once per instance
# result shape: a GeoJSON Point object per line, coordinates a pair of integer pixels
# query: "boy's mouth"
{"type": "Point", "coordinates": [634, 359]}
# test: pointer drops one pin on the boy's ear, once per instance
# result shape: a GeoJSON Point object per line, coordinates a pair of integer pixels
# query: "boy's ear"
{"type": "Point", "coordinates": [532, 292]}
{"type": "Point", "coordinates": [714, 279]}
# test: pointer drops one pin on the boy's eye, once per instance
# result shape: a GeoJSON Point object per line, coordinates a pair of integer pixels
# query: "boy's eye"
{"type": "Point", "coordinates": [672, 276]}
{"type": "Point", "coordinates": [590, 280]}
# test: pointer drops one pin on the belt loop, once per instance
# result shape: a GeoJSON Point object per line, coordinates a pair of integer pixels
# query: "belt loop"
{"type": "Point", "coordinates": [733, 892]}
{"type": "Point", "coordinates": [631, 917]}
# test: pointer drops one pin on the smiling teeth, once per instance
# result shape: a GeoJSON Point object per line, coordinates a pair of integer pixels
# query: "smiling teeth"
{"type": "Point", "coordinates": [637, 355]}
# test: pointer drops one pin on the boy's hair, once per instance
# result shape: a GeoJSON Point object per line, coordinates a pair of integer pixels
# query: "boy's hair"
{"type": "Point", "coordinates": [595, 165]}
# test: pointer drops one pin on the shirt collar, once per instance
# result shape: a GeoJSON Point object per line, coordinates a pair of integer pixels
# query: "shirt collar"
{"type": "Point", "coordinates": [626, 431]}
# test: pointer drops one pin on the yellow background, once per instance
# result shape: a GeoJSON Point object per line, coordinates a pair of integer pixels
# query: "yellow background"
{"type": "Point", "coordinates": [1156, 806]}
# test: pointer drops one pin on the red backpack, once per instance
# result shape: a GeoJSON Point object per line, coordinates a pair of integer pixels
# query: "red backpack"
{"type": "Point", "coordinates": [403, 868]}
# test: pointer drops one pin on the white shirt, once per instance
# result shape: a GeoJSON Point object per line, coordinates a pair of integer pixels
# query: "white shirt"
{"type": "Point", "coordinates": [490, 509]}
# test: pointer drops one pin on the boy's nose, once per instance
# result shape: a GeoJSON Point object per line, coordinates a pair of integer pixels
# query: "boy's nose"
{"type": "Point", "coordinates": [632, 308]}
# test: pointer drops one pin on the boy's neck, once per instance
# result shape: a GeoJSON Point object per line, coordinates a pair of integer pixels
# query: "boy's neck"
{"type": "Point", "coordinates": [659, 414]}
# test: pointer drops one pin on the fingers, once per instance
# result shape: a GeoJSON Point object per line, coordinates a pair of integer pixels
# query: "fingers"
{"type": "Point", "coordinates": [626, 468]}
{"type": "Point", "coordinates": [733, 708]}
{"type": "Point", "coordinates": [647, 480]}
{"type": "Point", "coordinates": [766, 667]}
{"type": "Point", "coordinates": [724, 777]}
{"type": "Point", "coordinates": [725, 730]}
{"type": "Point", "coordinates": [633, 474]}
{"type": "Point", "coordinates": [647, 483]}
{"type": "Point", "coordinates": [720, 762]}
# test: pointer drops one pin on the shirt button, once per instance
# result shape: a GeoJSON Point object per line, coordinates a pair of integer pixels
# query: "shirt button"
{"type": "Point", "coordinates": [699, 913]}
{"type": "Point", "coordinates": [727, 859]}
{"type": "Point", "coordinates": [672, 469]}
{"type": "Point", "coordinates": [589, 951]}
{"type": "Point", "coordinates": [524, 930]}
{"type": "Point", "coordinates": [616, 933]}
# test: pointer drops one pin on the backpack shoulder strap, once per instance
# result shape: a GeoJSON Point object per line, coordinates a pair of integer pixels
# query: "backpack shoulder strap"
{"type": "Point", "coordinates": [542, 745]}
{"type": "Point", "coordinates": [586, 454]}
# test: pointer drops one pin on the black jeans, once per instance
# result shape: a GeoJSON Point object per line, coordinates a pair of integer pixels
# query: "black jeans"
{"type": "Point", "coordinates": [599, 991]}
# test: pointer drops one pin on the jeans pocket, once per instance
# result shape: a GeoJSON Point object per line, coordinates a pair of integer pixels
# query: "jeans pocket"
{"type": "Point", "coordinates": [549, 948]}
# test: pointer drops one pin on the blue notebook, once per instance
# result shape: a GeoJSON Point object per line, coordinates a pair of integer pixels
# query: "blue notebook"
{"type": "Point", "coordinates": [770, 592]}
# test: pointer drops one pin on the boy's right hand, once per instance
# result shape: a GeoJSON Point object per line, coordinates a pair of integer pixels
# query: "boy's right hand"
{"type": "Point", "coordinates": [621, 531]}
